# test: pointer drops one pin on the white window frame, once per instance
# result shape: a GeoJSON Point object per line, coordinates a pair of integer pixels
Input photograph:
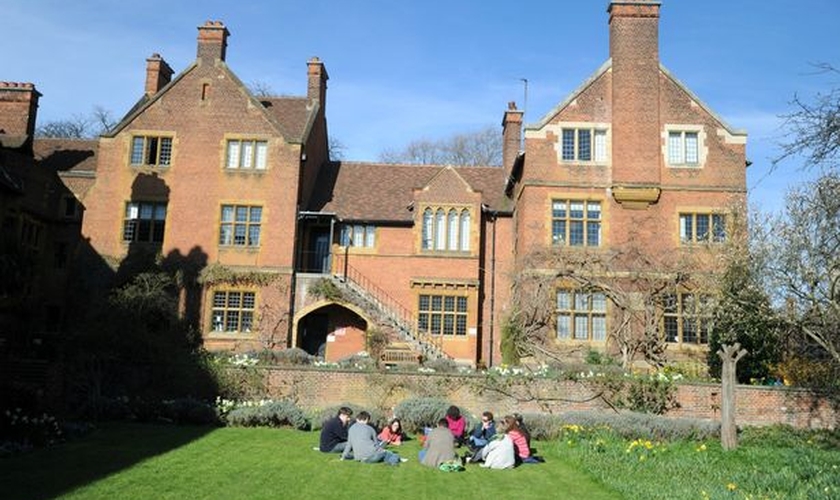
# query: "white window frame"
{"type": "Point", "coordinates": [445, 229]}
{"type": "Point", "coordinates": [675, 139]}
{"type": "Point", "coordinates": [151, 150]}
{"type": "Point", "coordinates": [246, 154]}
{"type": "Point", "coordinates": [580, 316]}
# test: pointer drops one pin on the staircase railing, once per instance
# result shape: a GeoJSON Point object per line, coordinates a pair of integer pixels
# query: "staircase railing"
{"type": "Point", "coordinates": [430, 345]}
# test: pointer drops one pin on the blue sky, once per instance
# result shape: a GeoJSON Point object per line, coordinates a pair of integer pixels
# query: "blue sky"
{"type": "Point", "coordinates": [401, 71]}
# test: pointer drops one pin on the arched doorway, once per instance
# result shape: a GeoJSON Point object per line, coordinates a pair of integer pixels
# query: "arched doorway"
{"type": "Point", "coordinates": [331, 331]}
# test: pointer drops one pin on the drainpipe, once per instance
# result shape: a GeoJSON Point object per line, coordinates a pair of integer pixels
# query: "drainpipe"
{"type": "Point", "coordinates": [492, 289]}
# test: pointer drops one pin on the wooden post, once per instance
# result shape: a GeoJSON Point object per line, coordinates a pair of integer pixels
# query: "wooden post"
{"type": "Point", "coordinates": [729, 354]}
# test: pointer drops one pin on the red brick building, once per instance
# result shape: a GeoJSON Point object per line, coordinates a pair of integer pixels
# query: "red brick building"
{"type": "Point", "coordinates": [239, 193]}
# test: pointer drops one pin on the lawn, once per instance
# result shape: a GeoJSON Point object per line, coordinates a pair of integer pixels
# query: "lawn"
{"type": "Point", "coordinates": [125, 461]}
{"type": "Point", "coordinates": [128, 461]}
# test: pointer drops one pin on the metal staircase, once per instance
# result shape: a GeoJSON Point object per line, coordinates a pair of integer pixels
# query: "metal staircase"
{"type": "Point", "coordinates": [388, 313]}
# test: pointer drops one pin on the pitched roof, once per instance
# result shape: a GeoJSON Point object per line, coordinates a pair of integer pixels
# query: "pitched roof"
{"type": "Point", "coordinates": [385, 192]}
{"type": "Point", "coordinates": [67, 155]}
{"type": "Point", "coordinates": [292, 114]}
{"type": "Point", "coordinates": [606, 67]}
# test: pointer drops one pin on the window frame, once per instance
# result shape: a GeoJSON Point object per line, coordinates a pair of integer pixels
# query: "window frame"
{"type": "Point", "coordinates": [443, 312]}
{"type": "Point", "coordinates": [347, 235]}
{"type": "Point", "coordinates": [580, 305]}
{"type": "Point", "coordinates": [683, 131]}
{"type": "Point", "coordinates": [229, 227]}
{"type": "Point", "coordinates": [446, 229]}
{"type": "Point", "coordinates": [155, 225]}
{"type": "Point", "coordinates": [231, 312]}
{"type": "Point", "coordinates": [257, 160]}
{"type": "Point", "coordinates": [571, 144]}
{"type": "Point", "coordinates": [689, 221]}
{"type": "Point", "coordinates": [675, 318]}
{"type": "Point", "coordinates": [141, 158]}
{"type": "Point", "coordinates": [565, 224]}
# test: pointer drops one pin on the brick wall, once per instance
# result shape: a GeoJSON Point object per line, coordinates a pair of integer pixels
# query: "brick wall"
{"type": "Point", "coordinates": [755, 405]}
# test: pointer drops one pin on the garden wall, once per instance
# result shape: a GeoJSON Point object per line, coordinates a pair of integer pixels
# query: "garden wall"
{"type": "Point", "coordinates": [756, 405]}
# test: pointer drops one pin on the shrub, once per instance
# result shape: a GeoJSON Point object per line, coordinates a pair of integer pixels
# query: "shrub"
{"type": "Point", "coordinates": [785, 436]}
{"type": "Point", "coordinates": [417, 413]}
{"type": "Point", "coordinates": [268, 414]}
{"type": "Point", "coordinates": [442, 365]}
{"type": "Point", "coordinates": [543, 426]}
{"type": "Point", "coordinates": [21, 431]}
{"type": "Point", "coordinates": [189, 411]}
{"type": "Point", "coordinates": [292, 356]}
{"type": "Point", "coordinates": [640, 425]}
{"type": "Point", "coordinates": [359, 361]}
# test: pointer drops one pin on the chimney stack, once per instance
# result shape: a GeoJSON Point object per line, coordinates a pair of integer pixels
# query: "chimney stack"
{"type": "Point", "coordinates": [634, 50]}
{"type": "Point", "coordinates": [158, 74]}
{"type": "Point", "coordinates": [212, 41]}
{"type": "Point", "coordinates": [18, 110]}
{"type": "Point", "coordinates": [511, 135]}
{"type": "Point", "coordinates": [317, 82]}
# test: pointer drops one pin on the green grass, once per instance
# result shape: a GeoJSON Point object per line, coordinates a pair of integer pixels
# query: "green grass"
{"type": "Point", "coordinates": [126, 461]}
{"type": "Point", "coordinates": [769, 464]}
{"type": "Point", "coordinates": [123, 461]}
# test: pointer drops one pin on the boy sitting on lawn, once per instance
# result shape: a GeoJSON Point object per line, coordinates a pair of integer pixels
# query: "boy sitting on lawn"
{"type": "Point", "coordinates": [363, 446]}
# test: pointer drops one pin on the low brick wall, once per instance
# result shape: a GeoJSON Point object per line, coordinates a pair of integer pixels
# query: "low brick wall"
{"type": "Point", "coordinates": [312, 388]}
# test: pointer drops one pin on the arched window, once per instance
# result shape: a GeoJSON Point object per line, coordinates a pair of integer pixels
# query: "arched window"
{"type": "Point", "coordinates": [427, 229]}
{"type": "Point", "coordinates": [440, 229]}
{"type": "Point", "coordinates": [452, 222]}
{"type": "Point", "coordinates": [465, 230]}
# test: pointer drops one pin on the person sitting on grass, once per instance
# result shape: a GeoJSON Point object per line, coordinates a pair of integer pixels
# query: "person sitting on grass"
{"type": "Point", "coordinates": [483, 433]}
{"type": "Point", "coordinates": [439, 446]}
{"type": "Point", "coordinates": [363, 446]}
{"type": "Point", "coordinates": [392, 434]}
{"type": "Point", "coordinates": [521, 441]}
{"type": "Point", "coordinates": [334, 431]}
{"type": "Point", "coordinates": [499, 453]}
{"type": "Point", "coordinates": [457, 424]}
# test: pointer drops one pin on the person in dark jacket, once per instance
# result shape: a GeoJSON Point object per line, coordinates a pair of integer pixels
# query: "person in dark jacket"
{"type": "Point", "coordinates": [334, 432]}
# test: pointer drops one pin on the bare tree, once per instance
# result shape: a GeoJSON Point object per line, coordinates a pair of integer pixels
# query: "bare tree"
{"type": "Point", "coordinates": [78, 127]}
{"type": "Point", "coordinates": [479, 148]}
{"type": "Point", "coordinates": [635, 283]}
{"type": "Point", "coordinates": [260, 89]}
{"type": "Point", "coordinates": [805, 265]}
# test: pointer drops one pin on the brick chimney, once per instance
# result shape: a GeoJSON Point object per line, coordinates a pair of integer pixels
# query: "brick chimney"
{"type": "Point", "coordinates": [317, 82]}
{"type": "Point", "coordinates": [18, 110]}
{"type": "Point", "coordinates": [634, 49]}
{"type": "Point", "coordinates": [158, 74]}
{"type": "Point", "coordinates": [511, 135]}
{"type": "Point", "coordinates": [212, 41]}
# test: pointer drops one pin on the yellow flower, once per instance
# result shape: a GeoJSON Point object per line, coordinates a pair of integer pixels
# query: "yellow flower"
{"type": "Point", "coordinates": [731, 487]}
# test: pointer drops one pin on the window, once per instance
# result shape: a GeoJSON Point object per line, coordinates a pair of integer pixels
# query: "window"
{"type": "Point", "coordinates": [442, 314]}
{"type": "Point", "coordinates": [358, 235]}
{"type": "Point", "coordinates": [446, 229]}
{"type": "Point", "coordinates": [582, 144]}
{"type": "Point", "coordinates": [576, 223]}
{"type": "Point", "coordinates": [683, 148]}
{"type": "Point", "coordinates": [233, 311]}
{"type": "Point", "coordinates": [144, 222]}
{"type": "Point", "coordinates": [246, 154]}
{"type": "Point", "coordinates": [581, 315]}
{"type": "Point", "coordinates": [151, 151]}
{"type": "Point", "coordinates": [240, 226]}
{"type": "Point", "coordinates": [702, 228]}
{"type": "Point", "coordinates": [686, 319]}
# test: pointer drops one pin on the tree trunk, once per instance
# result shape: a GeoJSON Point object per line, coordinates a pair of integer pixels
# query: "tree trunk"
{"type": "Point", "coordinates": [729, 354]}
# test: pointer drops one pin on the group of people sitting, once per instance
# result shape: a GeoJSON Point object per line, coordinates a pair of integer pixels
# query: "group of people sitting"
{"type": "Point", "coordinates": [494, 449]}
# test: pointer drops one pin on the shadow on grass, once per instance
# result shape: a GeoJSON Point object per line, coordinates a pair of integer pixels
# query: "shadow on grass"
{"type": "Point", "coordinates": [48, 473]}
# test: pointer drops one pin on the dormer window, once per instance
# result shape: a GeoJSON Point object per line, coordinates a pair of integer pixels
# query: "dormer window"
{"type": "Point", "coordinates": [446, 229]}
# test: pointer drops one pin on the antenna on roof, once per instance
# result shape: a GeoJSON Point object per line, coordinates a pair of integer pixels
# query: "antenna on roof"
{"type": "Point", "coordinates": [525, 103]}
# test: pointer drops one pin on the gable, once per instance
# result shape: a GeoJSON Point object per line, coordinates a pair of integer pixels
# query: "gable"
{"type": "Point", "coordinates": [447, 186]}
